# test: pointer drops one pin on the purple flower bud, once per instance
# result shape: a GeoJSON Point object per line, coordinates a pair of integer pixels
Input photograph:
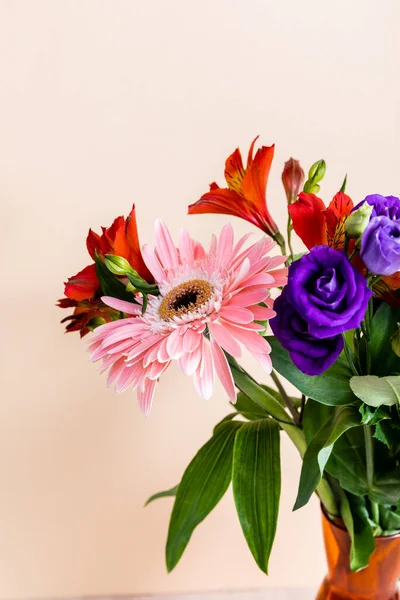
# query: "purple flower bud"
{"type": "Point", "coordinates": [380, 246]}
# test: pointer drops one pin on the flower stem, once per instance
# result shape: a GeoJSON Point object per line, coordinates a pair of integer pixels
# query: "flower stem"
{"type": "Point", "coordinates": [288, 403]}
{"type": "Point", "coordinates": [289, 237]}
{"type": "Point", "coordinates": [369, 456]}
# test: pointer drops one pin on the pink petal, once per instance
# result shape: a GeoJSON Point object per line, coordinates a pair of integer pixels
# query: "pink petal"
{"type": "Point", "coordinates": [186, 247]}
{"type": "Point", "coordinates": [162, 354]}
{"type": "Point", "coordinates": [143, 345]}
{"type": "Point", "coordinates": [223, 371]}
{"type": "Point", "coordinates": [223, 337]}
{"type": "Point", "coordinates": [157, 369]}
{"type": "Point", "coordinates": [204, 377]}
{"type": "Point", "coordinates": [189, 362]}
{"type": "Point", "coordinates": [191, 340]}
{"type": "Point", "coordinates": [153, 264]}
{"type": "Point", "coordinates": [261, 313]}
{"type": "Point", "coordinates": [225, 245]}
{"type": "Point", "coordinates": [145, 397]}
{"type": "Point", "coordinates": [116, 371]}
{"type": "Point", "coordinates": [251, 339]}
{"type": "Point", "coordinates": [265, 361]}
{"type": "Point", "coordinates": [175, 344]}
{"type": "Point", "coordinates": [126, 307]}
{"type": "Point", "coordinates": [236, 314]}
{"type": "Point", "coordinates": [127, 377]}
{"type": "Point", "coordinates": [248, 297]}
{"type": "Point", "coordinates": [165, 246]}
{"type": "Point", "coordinates": [213, 245]}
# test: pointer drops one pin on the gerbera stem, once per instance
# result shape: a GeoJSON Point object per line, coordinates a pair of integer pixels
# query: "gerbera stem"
{"type": "Point", "coordinates": [248, 386]}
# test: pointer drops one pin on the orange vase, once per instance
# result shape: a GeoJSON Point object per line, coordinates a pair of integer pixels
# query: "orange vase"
{"type": "Point", "coordinates": [378, 581]}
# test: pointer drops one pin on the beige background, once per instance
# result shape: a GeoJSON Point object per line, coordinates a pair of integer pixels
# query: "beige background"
{"type": "Point", "coordinates": [103, 103]}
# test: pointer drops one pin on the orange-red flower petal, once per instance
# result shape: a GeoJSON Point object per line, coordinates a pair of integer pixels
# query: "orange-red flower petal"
{"type": "Point", "coordinates": [336, 214]}
{"type": "Point", "coordinates": [308, 219]}
{"type": "Point", "coordinates": [83, 285]}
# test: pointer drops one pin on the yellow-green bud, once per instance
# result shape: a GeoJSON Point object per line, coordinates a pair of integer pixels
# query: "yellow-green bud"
{"type": "Point", "coordinates": [315, 174]}
{"type": "Point", "coordinates": [357, 222]}
{"type": "Point", "coordinates": [117, 265]}
{"type": "Point", "coordinates": [395, 341]}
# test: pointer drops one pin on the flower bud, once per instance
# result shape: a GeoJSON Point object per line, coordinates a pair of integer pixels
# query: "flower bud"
{"type": "Point", "coordinates": [292, 179]}
{"type": "Point", "coordinates": [358, 220]}
{"type": "Point", "coordinates": [315, 174]}
{"type": "Point", "coordinates": [117, 265]}
{"type": "Point", "coordinates": [395, 341]}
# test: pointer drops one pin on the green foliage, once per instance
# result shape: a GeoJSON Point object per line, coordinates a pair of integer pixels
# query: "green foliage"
{"type": "Point", "coordinates": [166, 494]}
{"type": "Point", "coordinates": [371, 415]}
{"type": "Point", "coordinates": [356, 518]}
{"type": "Point", "coordinates": [384, 325]}
{"type": "Point", "coordinates": [249, 409]}
{"type": "Point", "coordinates": [203, 484]}
{"type": "Point", "coordinates": [377, 391]}
{"type": "Point", "coordinates": [110, 284]}
{"type": "Point", "coordinates": [256, 480]}
{"type": "Point", "coordinates": [320, 449]}
{"type": "Point", "coordinates": [331, 388]}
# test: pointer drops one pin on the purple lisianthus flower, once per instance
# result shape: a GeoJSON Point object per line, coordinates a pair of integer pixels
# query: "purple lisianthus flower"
{"type": "Point", "coordinates": [310, 354]}
{"type": "Point", "coordinates": [380, 246]}
{"type": "Point", "coordinates": [383, 206]}
{"type": "Point", "coordinates": [327, 291]}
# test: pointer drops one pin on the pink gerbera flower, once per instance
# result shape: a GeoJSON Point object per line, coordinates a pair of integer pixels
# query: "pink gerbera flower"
{"type": "Point", "coordinates": [217, 293]}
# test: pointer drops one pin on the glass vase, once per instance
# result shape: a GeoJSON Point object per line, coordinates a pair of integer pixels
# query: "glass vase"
{"type": "Point", "coordinates": [378, 581]}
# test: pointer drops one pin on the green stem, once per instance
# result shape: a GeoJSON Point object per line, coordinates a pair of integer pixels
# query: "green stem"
{"type": "Point", "coordinates": [369, 456]}
{"type": "Point", "coordinates": [248, 386]}
{"type": "Point", "coordinates": [348, 353]}
{"type": "Point", "coordinates": [280, 240]}
{"type": "Point", "coordinates": [289, 236]}
{"type": "Point", "coordinates": [288, 403]}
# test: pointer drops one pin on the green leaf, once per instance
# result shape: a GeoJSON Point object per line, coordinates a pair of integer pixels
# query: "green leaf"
{"type": "Point", "coordinates": [372, 416]}
{"type": "Point", "coordinates": [384, 325]}
{"type": "Point", "coordinates": [389, 520]}
{"type": "Point", "coordinates": [111, 285]}
{"type": "Point", "coordinates": [315, 415]}
{"type": "Point", "coordinates": [331, 388]}
{"type": "Point", "coordinates": [356, 518]}
{"type": "Point", "coordinates": [343, 188]}
{"type": "Point", "coordinates": [165, 494]}
{"type": "Point", "coordinates": [347, 462]}
{"type": "Point", "coordinates": [377, 391]}
{"type": "Point", "coordinates": [225, 420]}
{"type": "Point", "coordinates": [320, 449]}
{"type": "Point", "coordinates": [386, 488]}
{"type": "Point", "coordinates": [256, 480]}
{"type": "Point", "coordinates": [203, 484]}
{"type": "Point", "coordinates": [249, 409]}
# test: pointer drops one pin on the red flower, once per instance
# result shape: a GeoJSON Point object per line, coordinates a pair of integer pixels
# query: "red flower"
{"type": "Point", "coordinates": [87, 315]}
{"type": "Point", "coordinates": [317, 225]}
{"type": "Point", "coordinates": [83, 289]}
{"type": "Point", "coordinates": [245, 196]}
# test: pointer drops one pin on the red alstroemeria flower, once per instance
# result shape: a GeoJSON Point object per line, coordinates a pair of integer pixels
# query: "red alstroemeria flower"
{"type": "Point", "coordinates": [245, 196]}
{"type": "Point", "coordinates": [83, 289]}
{"type": "Point", "coordinates": [315, 224]}
{"type": "Point", "coordinates": [87, 315]}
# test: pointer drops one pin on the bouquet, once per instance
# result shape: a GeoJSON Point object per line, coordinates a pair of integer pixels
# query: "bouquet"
{"type": "Point", "coordinates": [326, 320]}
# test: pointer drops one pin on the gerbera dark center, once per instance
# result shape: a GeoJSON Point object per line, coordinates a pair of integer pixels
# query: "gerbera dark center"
{"type": "Point", "coordinates": [185, 298]}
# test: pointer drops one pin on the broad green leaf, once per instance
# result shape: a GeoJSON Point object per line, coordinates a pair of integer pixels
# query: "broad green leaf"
{"type": "Point", "coordinates": [331, 388]}
{"type": "Point", "coordinates": [347, 462]}
{"type": "Point", "coordinates": [384, 324]}
{"type": "Point", "coordinates": [165, 494]}
{"type": "Point", "coordinates": [249, 409]}
{"type": "Point", "coordinates": [225, 420]}
{"type": "Point", "coordinates": [348, 465]}
{"type": "Point", "coordinates": [315, 415]}
{"type": "Point", "coordinates": [355, 516]}
{"type": "Point", "coordinates": [203, 484]}
{"type": "Point", "coordinates": [377, 391]}
{"type": "Point", "coordinates": [110, 284]}
{"type": "Point", "coordinates": [386, 488]}
{"type": "Point", "coordinates": [320, 449]}
{"type": "Point", "coordinates": [256, 480]}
